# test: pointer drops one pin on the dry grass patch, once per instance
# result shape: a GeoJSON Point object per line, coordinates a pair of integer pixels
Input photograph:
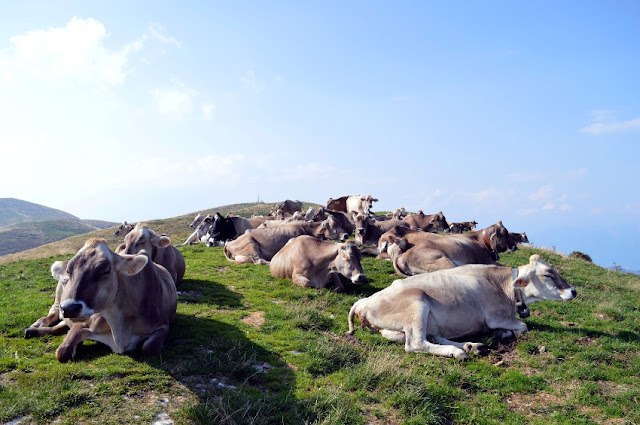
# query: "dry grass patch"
{"type": "Point", "coordinates": [255, 319]}
{"type": "Point", "coordinates": [535, 405]}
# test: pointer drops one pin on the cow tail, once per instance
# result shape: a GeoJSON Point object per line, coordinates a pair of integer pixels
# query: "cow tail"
{"type": "Point", "coordinates": [352, 313]}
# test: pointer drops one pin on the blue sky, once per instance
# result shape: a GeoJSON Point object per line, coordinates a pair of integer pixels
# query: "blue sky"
{"type": "Point", "coordinates": [525, 112]}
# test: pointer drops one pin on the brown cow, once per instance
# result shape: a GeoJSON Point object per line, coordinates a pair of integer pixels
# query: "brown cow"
{"type": "Point", "coordinates": [339, 204]}
{"type": "Point", "coordinates": [312, 263]}
{"type": "Point", "coordinates": [519, 237]}
{"type": "Point", "coordinates": [425, 312]}
{"type": "Point", "coordinates": [368, 230]}
{"type": "Point", "coordinates": [428, 222]}
{"type": "Point", "coordinates": [420, 252]}
{"type": "Point", "coordinates": [160, 248]}
{"type": "Point", "coordinates": [288, 207]}
{"type": "Point", "coordinates": [136, 298]}
{"type": "Point", "coordinates": [123, 229]}
{"type": "Point", "coordinates": [258, 246]}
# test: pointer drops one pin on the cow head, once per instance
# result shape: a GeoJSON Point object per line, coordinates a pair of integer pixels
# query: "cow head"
{"type": "Point", "coordinates": [90, 283]}
{"type": "Point", "coordinates": [456, 227]}
{"type": "Point", "coordinates": [396, 246]}
{"type": "Point", "coordinates": [347, 263]}
{"type": "Point", "coordinates": [498, 239]}
{"type": "Point", "coordinates": [539, 281]}
{"type": "Point", "coordinates": [519, 237]}
{"type": "Point", "coordinates": [143, 238]}
{"type": "Point", "coordinates": [361, 221]}
{"type": "Point", "coordinates": [331, 229]}
{"type": "Point", "coordinates": [123, 229]}
{"type": "Point", "coordinates": [196, 221]}
{"type": "Point", "coordinates": [438, 223]}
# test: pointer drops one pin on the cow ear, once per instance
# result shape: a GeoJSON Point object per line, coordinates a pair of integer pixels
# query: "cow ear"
{"type": "Point", "coordinates": [133, 265]}
{"type": "Point", "coordinates": [391, 240]}
{"type": "Point", "coordinates": [164, 241]}
{"type": "Point", "coordinates": [58, 268]}
{"type": "Point", "coordinates": [520, 283]}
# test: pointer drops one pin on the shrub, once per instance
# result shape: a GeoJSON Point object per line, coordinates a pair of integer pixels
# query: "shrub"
{"type": "Point", "coordinates": [577, 255]}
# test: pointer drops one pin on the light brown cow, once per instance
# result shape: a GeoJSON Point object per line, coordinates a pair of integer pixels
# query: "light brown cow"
{"type": "Point", "coordinates": [123, 229]}
{"type": "Point", "coordinates": [425, 312]}
{"type": "Point", "coordinates": [312, 263]}
{"type": "Point", "coordinates": [369, 230]}
{"type": "Point", "coordinates": [136, 298]}
{"type": "Point", "coordinates": [289, 207]}
{"type": "Point", "coordinates": [360, 204]}
{"type": "Point", "coordinates": [428, 222]}
{"type": "Point", "coordinates": [421, 252]}
{"type": "Point", "coordinates": [160, 248]}
{"type": "Point", "coordinates": [258, 246]}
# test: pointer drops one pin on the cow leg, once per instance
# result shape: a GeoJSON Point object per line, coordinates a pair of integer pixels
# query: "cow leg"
{"type": "Point", "coordinates": [302, 280]}
{"type": "Point", "coordinates": [190, 239]}
{"type": "Point", "coordinates": [153, 344]}
{"type": "Point", "coordinates": [394, 336]}
{"type": "Point", "coordinates": [468, 347]}
{"type": "Point", "coordinates": [95, 328]}
{"type": "Point", "coordinates": [508, 328]}
{"type": "Point", "coordinates": [243, 259]}
{"type": "Point", "coordinates": [337, 283]}
{"type": "Point", "coordinates": [51, 319]}
{"type": "Point", "coordinates": [34, 332]}
{"type": "Point", "coordinates": [416, 333]}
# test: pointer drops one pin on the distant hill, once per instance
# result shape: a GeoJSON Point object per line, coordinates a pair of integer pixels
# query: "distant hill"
{"type": "Point", "coordinates": [176, 227]}
{"type": "Point", "coordinates": [13, 211]}
{"type": "Point", "coordinates": [25, 225]}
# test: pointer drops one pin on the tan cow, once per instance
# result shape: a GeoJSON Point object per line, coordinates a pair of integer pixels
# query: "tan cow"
{"type": "Point", "coordinates": [420, 252]}
{"type": "Point", "coordinates": [136, 298]}
{"type": "Point", "coordinates": [258, 246]}
{"type": "Point", "coordinates": [427, 222]}
{"type": "Point", "coordinates": [160, 248]}
{"type": "Point", "coordinates": [360, 204]}
{"type": "Point", "coordinates": [425, 312]}
{"type": "Point", "coordinates": [369, 230]}
{"type": "Point", "coordinates": [312, 263]}
{"type": "Point", "coordinates": [123, 229]}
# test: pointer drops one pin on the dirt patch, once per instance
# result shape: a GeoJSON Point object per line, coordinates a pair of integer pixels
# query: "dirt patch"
{"type": "Point", "coordinates": [255, 319]}
{"type": "Point", "coordinates": [602, 316]}
{"type": "Point", "coordinates": [534, 405]}
{"type": "Point", "coordinates": [503, 352]}
{"type": "Point", "coordinates": [586, 341]}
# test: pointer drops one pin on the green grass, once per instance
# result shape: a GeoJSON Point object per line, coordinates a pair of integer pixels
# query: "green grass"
{"type": "Point", "coordinates": [246, 348]}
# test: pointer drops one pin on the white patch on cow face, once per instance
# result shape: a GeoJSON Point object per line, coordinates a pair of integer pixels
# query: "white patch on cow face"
{"type": "Point", "coordinates": [544, 282]}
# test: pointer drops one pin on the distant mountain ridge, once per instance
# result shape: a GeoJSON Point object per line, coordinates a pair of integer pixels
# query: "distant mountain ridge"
{"type": "Point", "coordinates": [25, 225]}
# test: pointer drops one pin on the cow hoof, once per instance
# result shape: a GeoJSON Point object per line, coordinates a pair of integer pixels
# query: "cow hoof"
{"type": "Point", "coordinates": [30, 333]}
{"type": "Point", "coordinates": [476, 348]}
{"type": "Point", "coordinates": [461, 355]}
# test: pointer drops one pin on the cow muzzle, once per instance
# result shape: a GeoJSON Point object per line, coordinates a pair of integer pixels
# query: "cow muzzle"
{"type": "Point", "coordinates": [360, 278]}
{"type": "Point", "coordinates": [360, 230]}
{"type": "Point", "coordinates": [72, 309]}
{"type": "Point", "coordinates": [568, 294]}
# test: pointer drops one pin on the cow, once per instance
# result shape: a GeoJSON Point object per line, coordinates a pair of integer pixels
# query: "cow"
{"type": "Point", "coordinates": [360, 204]}
{"type": "Point", "coordinates": [425, 312]}
{"type": "Point", "coordinates": [257, 220]}
{"type": "Point", "coordinates": [422, 252]}
{"type": "Point", "coordinates": [159, 248]}
{"type": "Point", "coordinates": [288, 206]}
{"type": "Point", "coordinates": [313, 263]}
{"type": "Point", "coordinates": [196, 221]}
{"type": "Point", "coordinates": [368, 230]}
{"type": "Point", "coordinates": [136, 298]}
{"type": "Point", "coordinates": [465, 226]}
{"type": "Point", "coordinates": [224, 229]}
{"type": "Point", "coordinates": [519, 237]}
{"type": "Point", "coordinates": [258, 246]}
{"type": "Point", "coordinates": [201, 234]}
{"type": "Point", "coordinates": [123, 229]}
{"type": "Point", "coordinates": [339, 204]}
{"type": "Point", "coordinates": [428, 222]}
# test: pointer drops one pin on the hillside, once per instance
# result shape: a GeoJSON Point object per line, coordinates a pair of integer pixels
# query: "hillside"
{"type": "Point", "coordinates": [245, 347]}
{"type": "Point", "coordinates": [13, 211]}
{"type": "Point", "coordinates": [25, 225]}
{"type": "Point", "coordinates": [176, 227]}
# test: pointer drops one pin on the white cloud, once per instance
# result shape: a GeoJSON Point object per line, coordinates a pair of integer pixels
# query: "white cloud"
{"type": "Point", "coordinates": [157, 32]}
{"type": "Point", "coordinates": [603, 127]}
{"type": "Point", "coordinates": [542, 193]}
{"type": "Point", "coordinates": [175, 102]}
{"type": "Point", "coordinates": [76, 52]}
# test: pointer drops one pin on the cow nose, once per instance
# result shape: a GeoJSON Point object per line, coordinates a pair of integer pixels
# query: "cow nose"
{"type": "Point", "coordinates": [360, 230]}
{"type": "Point", "coordinates": [360, 279]}
{"type": "Point", "coordinates": [71, 310]}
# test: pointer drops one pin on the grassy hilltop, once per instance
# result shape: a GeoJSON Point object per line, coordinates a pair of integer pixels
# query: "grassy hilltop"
{"type": "Point", "coordinates": [247, 348]}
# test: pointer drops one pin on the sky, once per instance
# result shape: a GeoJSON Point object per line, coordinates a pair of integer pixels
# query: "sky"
{"type": "Point", "coordinates": [525, 112]}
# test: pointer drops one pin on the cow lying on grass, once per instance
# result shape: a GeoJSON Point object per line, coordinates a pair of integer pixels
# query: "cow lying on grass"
{"type": "Point", "coordinates": [117, 299]}
{"type": "Point", "coordinates": [312, 263]}
{"type": "Point", "coordinates": [424, 312]}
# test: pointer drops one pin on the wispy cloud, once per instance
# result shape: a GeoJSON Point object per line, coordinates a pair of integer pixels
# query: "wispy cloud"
{"type": "Point", "coordinates": [175, 102]}
{"type": "Point", "coordinates": [251, 82]}
{"type": "Point", "coordinates": [605, 122]}
{"type": "Point", "coordinates": [158, 33]}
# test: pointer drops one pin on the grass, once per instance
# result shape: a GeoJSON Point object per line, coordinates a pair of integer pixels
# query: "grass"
{"type": "Point", "coordinates": [247, 348]}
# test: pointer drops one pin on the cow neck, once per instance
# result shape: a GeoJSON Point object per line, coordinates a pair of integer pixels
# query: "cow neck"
{"type": "Point", "coordinates": [523, 309]}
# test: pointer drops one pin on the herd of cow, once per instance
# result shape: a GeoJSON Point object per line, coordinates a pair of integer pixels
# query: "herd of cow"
{"type": "Point", "coordinates": [453, 286]}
